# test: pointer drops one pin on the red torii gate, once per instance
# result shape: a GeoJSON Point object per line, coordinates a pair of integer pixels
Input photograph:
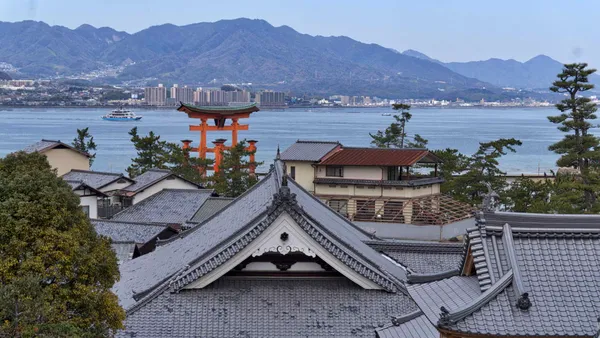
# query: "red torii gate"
{"type": "Point", "coordinates": [219, 114]}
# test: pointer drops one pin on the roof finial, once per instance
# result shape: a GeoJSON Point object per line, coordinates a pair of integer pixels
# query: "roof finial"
{"type": "Point", "coordinates": [523, 302]}
{"type": "Point", "coordinates": [489, 198]}
{"type": "Point", "coordinates": [278, 156]}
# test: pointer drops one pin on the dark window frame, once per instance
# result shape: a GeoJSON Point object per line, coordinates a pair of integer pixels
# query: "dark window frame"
{"type": "Point", "coordinates": [334, 171]}
{"type": "Point", "coordinates": [293, 172]}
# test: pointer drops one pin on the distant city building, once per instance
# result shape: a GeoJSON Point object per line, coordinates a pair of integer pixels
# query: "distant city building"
{"type": "Point", "coordinates": [270, 98]}
{"type": "Point", "coordinates": [217, 97]}
{"type": "Point", "coordinates": [156, 96]}
{"type": "Point", "coordinates": [182, 94]}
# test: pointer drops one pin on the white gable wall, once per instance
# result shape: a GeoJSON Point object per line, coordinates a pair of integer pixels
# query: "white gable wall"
{"type": "Point", "coordinates": [64, 160]}
{"type": "Point", "coordinates": [270, 241]}
{"type": "Point", "coordinates": [176, 183]}
{"type": "Point", "coordinates": [116, 186]}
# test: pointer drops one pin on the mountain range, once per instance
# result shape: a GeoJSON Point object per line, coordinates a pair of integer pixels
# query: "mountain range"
{"type": "Point", "coordinates": [251, 51]}
{"type": "Point", "coordinates": [537, 73]}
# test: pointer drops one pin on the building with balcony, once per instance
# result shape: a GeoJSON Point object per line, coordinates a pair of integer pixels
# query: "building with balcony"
{"type": "Point", "coordinates": [374, 184]}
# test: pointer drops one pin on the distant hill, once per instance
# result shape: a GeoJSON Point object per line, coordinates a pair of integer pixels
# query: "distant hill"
{"type": "Point", "coordinates": [230, 51]}
{"type": "Point", "coordinates": [537, 73]}
{"type": "Point", "coordinates": [4, 76]}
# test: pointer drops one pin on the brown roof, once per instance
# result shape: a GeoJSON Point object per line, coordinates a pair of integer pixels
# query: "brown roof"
{"type": "Point", "coordinates": [380, 157]}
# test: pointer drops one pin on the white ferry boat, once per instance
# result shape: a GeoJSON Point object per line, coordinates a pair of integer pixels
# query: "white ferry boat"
{"type": "Point", "coordinates": [121, 115]}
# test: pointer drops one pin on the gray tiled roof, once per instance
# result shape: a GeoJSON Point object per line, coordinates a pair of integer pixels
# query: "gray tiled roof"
{"type": "Point", "coordinates": [44, 145]}
{"type": "Point", "coordinates": [210, 207]}
{"type": "Point", "coordinates": [517, 219]}
{"type": "Point", "coordinates": [244, 307]}
{"type": "Point", "coordinates": [173, 206]}
{"type": "Point", "coordinates": [181, 260]}
{"type": "Point", "coordinates": [557, 266]}
{"type": "Point", "coordinates": [308, 150]}
{"type": "Point", "coordinates": [123, 251]}
{"type": "Point", "coordinates": [127, 232]}
{"type": "Point", "coordinates": [414, 325]}
{"type": "Point", "coordinates": [147, 178]}
{"type": "Point", "coordinates": [94, 179]}
{"type": "Point", "coordinates": [74, 184]}
{"type": "Point", "coordinates": [423, 257]}
{"type": "Point", "coordinates": [148, 271]}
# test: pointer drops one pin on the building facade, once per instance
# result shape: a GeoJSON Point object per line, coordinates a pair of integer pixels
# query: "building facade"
{"type": "Point", "coordinates": [61, 156]}
{"type": "Point", "coordinates": [182, 94]}
{"type": "Point", "coordinates": [156, 96]}
{"type": "Point", "coordinates": [270, 98]}
{"type": "Point", "coordinates": [373, 184]}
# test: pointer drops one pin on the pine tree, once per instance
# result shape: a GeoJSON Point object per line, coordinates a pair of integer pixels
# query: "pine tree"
{"type": "Point", "coordinates": [395, 135]}
{"type": "Point", "coordinates": [84, 142]}
{"type": "Point", "coordinates": [55, 272]}
{"type": "Point", "coordinates": [234, 178]}
{"type": "Point", "coordinates": [578, 149]}
{"type": "Point", "coordinates": [483, 168]}
{"type": "Point", "coordinates": [152, 153]}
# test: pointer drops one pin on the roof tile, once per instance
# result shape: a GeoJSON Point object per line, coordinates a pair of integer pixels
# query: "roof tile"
{"type": "Point", "coordinates": [376, 157]}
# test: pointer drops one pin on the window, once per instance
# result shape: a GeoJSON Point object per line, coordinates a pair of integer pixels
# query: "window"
{"type": "Point", "coordinates": [393, 174]}
{"type": "Point", "coordinates": [334, 171]}
{"type": "Point", "coordinates": [293, 172]}
{"type": "Point", "coordinates": [86, 210]}
{"type": "Point", "coordinates": [393, 211]}
{"type": "Point", "coordinates": [340, 206]}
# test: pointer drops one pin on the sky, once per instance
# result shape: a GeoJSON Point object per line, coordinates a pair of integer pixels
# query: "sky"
{"type": "Point", "coordinates": [448, 30]}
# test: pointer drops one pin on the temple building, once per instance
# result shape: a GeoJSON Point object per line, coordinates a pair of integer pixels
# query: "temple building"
{"type": "Point", "coordinates": [275, 262]}
{"type": "Point", "coordinates": [278, 262]}
{"type": "Point", "coordinates": [374, 184]}
{"type": "Point", "coordinates": [218, 115]}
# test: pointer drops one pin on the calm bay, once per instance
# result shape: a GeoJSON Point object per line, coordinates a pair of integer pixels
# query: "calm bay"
{"type": "Point", "coordinates": [443, 127]}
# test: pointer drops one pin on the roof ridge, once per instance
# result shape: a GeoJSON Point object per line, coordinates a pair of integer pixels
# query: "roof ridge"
{"type": "Point", "coordinates": [317, 141]}
{"type": "Point", "coordinates": [95, 172]}
{"type": "Point", "coordinates": [448, 317]}
{"type": "Point", "coordinates": [446, 247]}
{"type": "Point", "coordinates": [417, 278]}
{"type": "Point", "coordinates": [406, 318]}
{"type": "Point", "coordinates": [97, 220]}
{"type": "Point", "coordinates": [386, 149]}
{"type": "Point", "coordinates": [519, 288]}
{"type": "Point", "coordinates": [186, 233]}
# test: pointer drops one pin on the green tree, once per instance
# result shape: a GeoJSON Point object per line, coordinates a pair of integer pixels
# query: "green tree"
{"type": "Point", "coordinates": [527, 195]}
{"type": "Point", "coordinates": [395, 135]}
{"type": "Point", "coordinates": [181, 162]}
{"type": "Point", "coordinates": [55, 272]}
{"type": "Point", "coordinates": [578, 149]}
{"type": "Point", "coordinates": [234, 178]}
{"type": "Point", "coordinates": [483, 169]}
{"type": "Point", "coordinates": [84, 142]}
{"type": "Point", "coordinates": [152, 153]}
{"type": "Point", "coordinates": [453, 164]}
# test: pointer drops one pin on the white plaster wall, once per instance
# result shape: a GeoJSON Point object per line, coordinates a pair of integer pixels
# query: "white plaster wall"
{"type": "Point", "coordinates": [354, 172]}
{"type": "Point", "coordinates": [176, 183]}
{"type": "Point", "coordinates": [305, 173]}
{"type": "Point", "coordinates": [92, 202]}
{"type": "Point", "coordinates": [64, 160]}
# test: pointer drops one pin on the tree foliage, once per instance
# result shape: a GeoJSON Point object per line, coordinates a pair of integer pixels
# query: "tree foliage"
{"type": "Point", "coordinates": [579, 148]}
{"type": "Point", "coordinates": [234, 178]}
{"type": "Point", "coordinates": [395, 135]}
{"type": "Point", "coordinates": [55, 272]}
{"type": "Point", "coordinates": [483, 169]}
{"type": "Point", "coordinates": [84, 142]}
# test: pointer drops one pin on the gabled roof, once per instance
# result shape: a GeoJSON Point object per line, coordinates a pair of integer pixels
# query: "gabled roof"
{"type": "Point", "coordinates": [172, 206]}
{"type": "Point", "coordinates": [45, 145]}
{"type": "Point", "coordinates": [77, 185]}
{"type": "Point", "coordinates": [128, 232]}
{"type": "Point", "coordinates": [181, 260]}
{"type": "Point", "coordinates": [421, 257]}
{"type": "Point", "coordinates": [210, 207]}
{"type": "Point", "coordinates": [532, 280]}
{"type": "Point", "coordinates": [96, 179]}
{"type": "Point", "coordinates": [380, 157]}
{"type": "Point", "coordinates": [310, 151]}
{"type": "Point", "coordinates": [151, 177]}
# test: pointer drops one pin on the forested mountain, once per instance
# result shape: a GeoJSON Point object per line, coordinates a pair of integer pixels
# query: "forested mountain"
{"type": "Point", "coordinates": [240, 50]}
